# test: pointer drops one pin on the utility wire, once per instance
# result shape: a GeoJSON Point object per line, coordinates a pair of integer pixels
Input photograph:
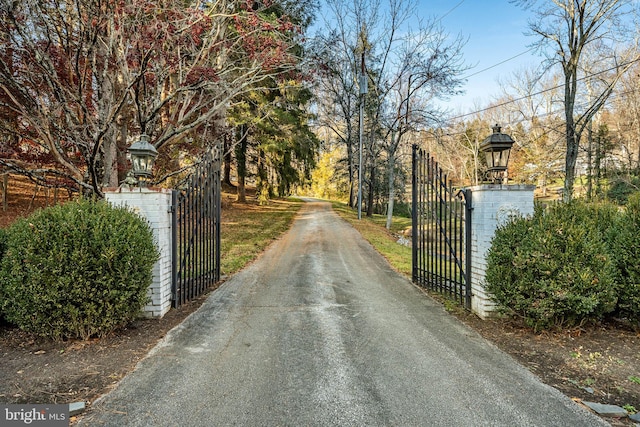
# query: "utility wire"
{"type": "Point", "coordinates": [512, 101]}
{"type": "Point", "coordinates": [484, 69]}
{"type": "Point", "coordinates": [511, 59]}
{"type": "Point", "coordinates": [499, 63]}
{"type": "Point", "coordinates": [557, 128]}
{"type": "Point", "coordinates": [450, 10]}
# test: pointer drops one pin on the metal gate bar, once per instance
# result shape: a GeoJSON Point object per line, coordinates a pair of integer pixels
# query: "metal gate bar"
{"type": "Point", "coordinates": [441, 230]}
{"type": "Point", "coordinates": [196, 231]}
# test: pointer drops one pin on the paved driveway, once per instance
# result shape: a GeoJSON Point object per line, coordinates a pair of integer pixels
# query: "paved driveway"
{"type": "Point", "coordinates": [319, 331]}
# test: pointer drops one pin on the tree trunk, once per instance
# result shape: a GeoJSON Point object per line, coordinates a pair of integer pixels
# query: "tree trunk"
{"type": "Point", "coordinates": [121, 141]}
{"type": "Point", "coordinates": [351, 191]}
{"type": "Point", "coordinates": [372, 185]}
{"type": "Point", "coordinates": [590, 161]}
{"type": "Point", "coordinates": [241, 190]}
{"type": "Point", "coordinates": [392, 189]}
{"type": "Point", "coordinates": [227, 160]}
{"type": "Point", "coordinates": [110, 159]}
{"type": "Point", "coordinates": [573, 139]}
{"type": "Point", "coordinates": [108, 90]}
{"type": "Point", "coordinates": [241, 160]}
{"type": "Point", "coordinates": [262, 186]}
{"type": "Point", "coordinates": [4, 183]}
{"type": "Point", "coordinates": [351, 167]}
{"type": "Point", "coordinates": [598, 162]}
{"type": "Point", "coordinates": [570, 163]}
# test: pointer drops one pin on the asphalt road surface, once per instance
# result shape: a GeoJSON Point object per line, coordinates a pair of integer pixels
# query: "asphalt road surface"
{"type": "Point", "coordinates": [320, 331]}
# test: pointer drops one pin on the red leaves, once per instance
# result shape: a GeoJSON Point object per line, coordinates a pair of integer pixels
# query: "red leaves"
{"type": "Point", "coordinates": [266, 41]}
{"type": "Point", "coordinates": [201, 74]}
{"type": "Point", "coordinates": [166, 32]}
{"type": "Point", "coordinates": [75, 71]}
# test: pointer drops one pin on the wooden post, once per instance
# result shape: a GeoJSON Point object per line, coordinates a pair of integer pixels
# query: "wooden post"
{"type": "Point", "coordinates": [4, 186]}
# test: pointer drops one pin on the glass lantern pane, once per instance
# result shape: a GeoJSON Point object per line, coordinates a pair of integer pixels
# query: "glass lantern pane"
{"type": "Point", "coordinates": [489, 155]}
{"type": "Point", "coordinates": [504, 158]}
{"type": "Point", "coordinates": [500, 159]}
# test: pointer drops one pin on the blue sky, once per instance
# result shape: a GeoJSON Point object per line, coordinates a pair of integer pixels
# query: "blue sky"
{"type": "Point", "coordinates": [495, 31]}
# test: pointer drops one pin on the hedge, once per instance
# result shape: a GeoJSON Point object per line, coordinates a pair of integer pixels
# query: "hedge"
{"type": "Point", "coordinates": [556, 268]}
{"type": "Point", "coordinates": [76, 270]}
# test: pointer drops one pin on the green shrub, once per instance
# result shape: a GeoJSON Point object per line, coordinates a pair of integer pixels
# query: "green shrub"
{"type": "Point", "coordinates": [554, 269]}
{"type": "Point", "coordinates": [3, 240]}
{"type": "Point", "coordinates": [76, 270]}
{"type": "Point", "coordinates": [3, 248]}
{"type": "Point", "coordinates": [622, 188]}
{"type": "Point", "coordinates": [402, 209]}
{"type": "Point", "coordinates": [623, 240]}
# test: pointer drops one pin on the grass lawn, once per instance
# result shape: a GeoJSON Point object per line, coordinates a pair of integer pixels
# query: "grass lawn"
{"type": "Point", "coordinates": [247, 229]}
{"type": "Point", "coordinates": [374, 230]}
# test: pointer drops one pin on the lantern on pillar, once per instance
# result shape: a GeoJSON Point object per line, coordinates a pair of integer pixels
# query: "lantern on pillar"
{"type": "Point", "coordinates": [143, 155]}
{"type": "Point", "coordinates": [497, 148]}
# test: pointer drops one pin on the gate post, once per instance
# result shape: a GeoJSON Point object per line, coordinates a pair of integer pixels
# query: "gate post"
{"type": "Point", "coordinates": [468, 256]}
{"type": "Point", "coordinates": [414, 214]}
{"type": "Point", "coordinates": [155, 206]}
{"type": "Point", "coordinates": [493, 205]}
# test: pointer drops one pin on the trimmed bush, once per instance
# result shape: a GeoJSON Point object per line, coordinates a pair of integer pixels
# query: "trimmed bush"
{"type": "Point", "coordinates": [3, 242]}
{"type": "Point", "coordinates": [3, 248]}
{"type": "Point", "coordinates": [554, 269]}
{"type": "Point", "coordinates": [76, 270]}
{"type": "Point", "coordinates": [623, 240]}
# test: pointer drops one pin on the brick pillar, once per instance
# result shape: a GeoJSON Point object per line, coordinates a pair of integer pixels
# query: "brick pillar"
{"type": "Point", "coordinates": [492, 205]}
{"type": "Point", "coordinates": [155, 206]}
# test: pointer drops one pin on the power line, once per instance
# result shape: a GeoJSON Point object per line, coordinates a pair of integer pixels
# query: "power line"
{"type": "Point", "coordinates": [499, 63]}
{"type": "Point", "coordinates": [556, 128]}
{"type": "Point", "coordinates": [492, 66]}
{"type": "Point", "coordinates": [512, 101]}
{"type": "Point", "coordinates": [450, 10]}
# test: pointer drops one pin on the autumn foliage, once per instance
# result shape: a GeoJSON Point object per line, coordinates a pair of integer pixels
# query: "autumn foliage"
{"type": "Point", "coordinates": [80, 81]}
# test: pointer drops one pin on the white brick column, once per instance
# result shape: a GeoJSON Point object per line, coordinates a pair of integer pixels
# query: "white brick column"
{"type": "Point", "coordinates": [155, 206]}
{"type": "Point", "coordinates": [492, 205]}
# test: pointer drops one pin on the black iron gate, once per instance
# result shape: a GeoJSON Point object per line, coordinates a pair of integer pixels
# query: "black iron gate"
{"type": "Point", "coordinates": [441, 231]}
{"type": "Point", "coordinates": [196, 231]}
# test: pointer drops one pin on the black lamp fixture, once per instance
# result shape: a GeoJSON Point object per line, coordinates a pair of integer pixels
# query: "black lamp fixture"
{"type": "Point", "coordinates": [497, 148]}
{"type": "Point", "coordinates": [143, 155]}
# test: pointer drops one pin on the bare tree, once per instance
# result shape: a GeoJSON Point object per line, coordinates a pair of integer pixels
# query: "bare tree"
{"type": "Point", "coordinates": [423, 66]}
{"type": "Point", "coordinates": [531, 101]}
{"type": "Point", "coordinates": [571, 31]}
{"type": "Point", "coordinates": [408, 64]}
{"type": "Point", "coordinates": [338, 49]}
{"type": "Point", "coordinates": [86, 77]}
{"type": "Point", "coordinates": [338, 98]}
{"type": "Point", "coordinates": [626, 119]}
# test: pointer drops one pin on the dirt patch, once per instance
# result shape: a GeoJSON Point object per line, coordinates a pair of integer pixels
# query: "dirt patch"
{"type": "Point", "coordinates": [599, 364]}
{"type": "Point", "coordinates": [37, 370]}
{"type": "Point", "coordinates": [24, 197]}
{"type": "Point", "coordinates": [596, 364]}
